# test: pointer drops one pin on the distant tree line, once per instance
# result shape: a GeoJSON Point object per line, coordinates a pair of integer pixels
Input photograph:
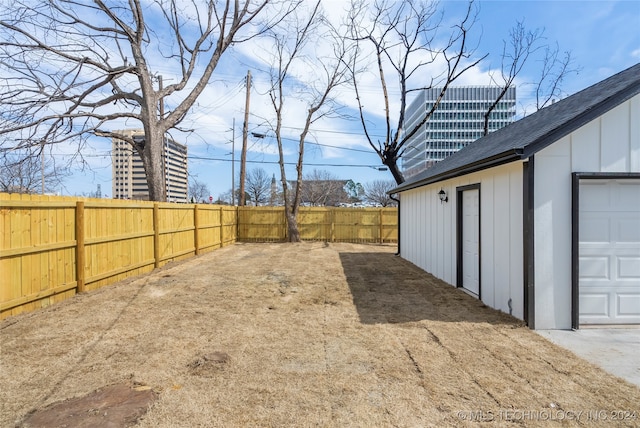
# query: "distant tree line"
{"type": "Point", "coordinates": [319, 188]}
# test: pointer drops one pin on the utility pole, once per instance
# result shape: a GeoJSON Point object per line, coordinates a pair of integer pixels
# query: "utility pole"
{"type": "Point", "coordinates": [233, 163]}
{"type": "Point", "coordinates": [245, 132]}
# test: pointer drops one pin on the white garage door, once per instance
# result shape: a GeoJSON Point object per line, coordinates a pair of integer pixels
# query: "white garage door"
{"type": "Point", "coordinates": [609, 268]}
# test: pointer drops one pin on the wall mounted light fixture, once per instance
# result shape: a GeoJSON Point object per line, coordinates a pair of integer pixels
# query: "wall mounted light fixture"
{"type": "Point", "coordinates": [442, 195]}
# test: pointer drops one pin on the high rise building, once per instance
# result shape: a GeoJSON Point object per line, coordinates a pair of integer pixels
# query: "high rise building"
{"type": "Point", "coordinates": [129, 177]}
{"type": "Point", "coordinates": [457, 121]}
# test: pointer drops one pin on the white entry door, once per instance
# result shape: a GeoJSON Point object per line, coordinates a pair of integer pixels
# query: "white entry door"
{"type": "Point", "coordinates": [471, 241]}
{"type": "Point", "coordinates": [609, 252]}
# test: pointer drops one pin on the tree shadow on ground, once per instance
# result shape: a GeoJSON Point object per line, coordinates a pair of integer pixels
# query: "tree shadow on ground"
{"type": "Point", "coordinates": [388, 289]}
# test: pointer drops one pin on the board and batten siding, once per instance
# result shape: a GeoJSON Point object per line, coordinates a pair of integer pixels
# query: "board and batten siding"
{"type": "Point", "coordinates": [429, 236]}
{"type": "Point", "coordinates": [610, 143]}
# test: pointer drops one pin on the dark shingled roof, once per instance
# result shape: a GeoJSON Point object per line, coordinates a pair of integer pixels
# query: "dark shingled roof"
{"type": "Point", "coordinates": [530, 134]}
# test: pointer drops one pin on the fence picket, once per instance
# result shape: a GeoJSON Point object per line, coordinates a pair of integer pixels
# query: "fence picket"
{"type": "Point", "coordinates": [80, 254]}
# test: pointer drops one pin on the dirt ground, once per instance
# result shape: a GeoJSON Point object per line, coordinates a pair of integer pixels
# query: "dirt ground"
{"type": "Point", "coordinates": [309, 334]}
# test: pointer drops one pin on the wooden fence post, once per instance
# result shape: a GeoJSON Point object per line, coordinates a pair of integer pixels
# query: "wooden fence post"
{"type": "Point", "coordinates": [285, 223]}
{"type": "Point", "coordinates": [196, 224]}
{"type": "Point", "coordinates": [235, 231]}
{"type": "Point", "coordinates": [238, 216]}
{"type": "Point", "coordinates": [332, 214]}
{"type": "Point", "coordinates": [156, 236]}
{"type": "Point", "coordinates": [381, 226]}
{"type": "Point", "coordinates": [80, 256]}
{"type": "Point", "coordinates": [222, 226]}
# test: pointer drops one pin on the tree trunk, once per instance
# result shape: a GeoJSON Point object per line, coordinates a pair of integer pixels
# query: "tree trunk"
{"type": "Point", "coordinates": [486, 123]}
{"type": "Point", "coordinates": [292, 227]}
{"type": "Point", "coordinates": [395, 171]}
{"type": "Point", "coordinates": [154, 165]}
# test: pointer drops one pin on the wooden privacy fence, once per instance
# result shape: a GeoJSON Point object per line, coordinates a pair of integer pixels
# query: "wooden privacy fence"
{"type": "Point", "coordinates": [54, 247]}
{"type": "Point", "coordinates": [357, 225]}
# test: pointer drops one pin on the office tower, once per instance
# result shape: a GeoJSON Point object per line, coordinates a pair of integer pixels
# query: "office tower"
{"type": "Point", "coordinates": [457, 122]}
{"type": "Point", "coordinates": [129, 177]}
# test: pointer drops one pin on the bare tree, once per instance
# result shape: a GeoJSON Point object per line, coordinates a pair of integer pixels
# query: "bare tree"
{"type": "Point", "coordinates": [555, 69]}
{"type": "Point", "coordinates": [522, 44]}
{"type": "Point", "coordinates": [321, 188]}
{"type": "Point", "coordinates": [404, 39]}
{"type": "Point", "coordinates": [73, 69]}
{"type": "Point", "coordinates": [258, 186]}
{"type": "Point", "coordinates": [224, 198]}
{"type": "Point", "coordinates": [288, 48]}
{"type": "Point", "coordinates": [26, 173]}
{"type": "Point", "coordinates": [198, 191]}
{"type": "Point", "coordinates": [376, 192]}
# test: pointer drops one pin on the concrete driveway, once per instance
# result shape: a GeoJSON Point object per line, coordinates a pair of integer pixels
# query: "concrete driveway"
{"type": "Point", "coordinates": [616, 350]}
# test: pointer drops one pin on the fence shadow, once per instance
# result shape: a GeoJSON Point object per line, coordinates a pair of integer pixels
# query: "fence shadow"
{"type": "Point", "coordinates": [388, 289]}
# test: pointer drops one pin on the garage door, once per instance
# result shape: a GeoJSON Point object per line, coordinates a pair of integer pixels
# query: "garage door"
{"type": "Point", "coordinates": [609, 252]}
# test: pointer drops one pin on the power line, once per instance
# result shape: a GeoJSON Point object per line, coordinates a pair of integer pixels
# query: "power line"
{"type": "Point", "coordinates": [328, 145]}
{"type": "Point", "coordinates": [370, 151]}
{"type": "Point", "coordinates": [286, 163]}
{"type": "Point", "coordinates": [333, 131]}
{"type": "Point", "coordinates": [193, 157]}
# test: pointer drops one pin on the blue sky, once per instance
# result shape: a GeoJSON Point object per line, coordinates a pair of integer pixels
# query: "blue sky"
{"type": "Point", "coordinates": [603, 36]}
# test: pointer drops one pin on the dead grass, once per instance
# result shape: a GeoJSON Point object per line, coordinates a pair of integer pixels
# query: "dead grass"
{"type": "Point", "coordinates": [299, 335]}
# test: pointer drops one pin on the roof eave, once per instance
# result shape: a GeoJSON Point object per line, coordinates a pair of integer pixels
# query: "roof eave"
{"type": "Point", "coordinates": [497, 160]}
{"type": "Point", "coordinates": [582, 119]}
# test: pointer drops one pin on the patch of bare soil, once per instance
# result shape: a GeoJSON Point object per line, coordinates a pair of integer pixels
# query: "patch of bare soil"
{"type": "Point", "coordinates": [300, 335]}
{"type": "Point", "coordinates": [114, 406]}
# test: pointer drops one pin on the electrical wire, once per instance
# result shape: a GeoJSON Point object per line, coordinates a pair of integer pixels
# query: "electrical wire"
{"type": "Point", "coordinates": [194, 157]}
{"type": "Point", "coordinates": [286, 163]}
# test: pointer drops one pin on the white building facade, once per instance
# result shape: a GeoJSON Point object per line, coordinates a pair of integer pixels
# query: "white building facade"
{"type": "Point", "coordinates": [541, 219]}
{"type": "Point", "coordinates": [457, 121]}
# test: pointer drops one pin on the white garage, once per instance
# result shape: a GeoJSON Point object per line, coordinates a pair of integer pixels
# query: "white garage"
{"type": "Point", "coordinates": [609, 251]}
{"type": "Point", "coordinates": [540, 219]}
